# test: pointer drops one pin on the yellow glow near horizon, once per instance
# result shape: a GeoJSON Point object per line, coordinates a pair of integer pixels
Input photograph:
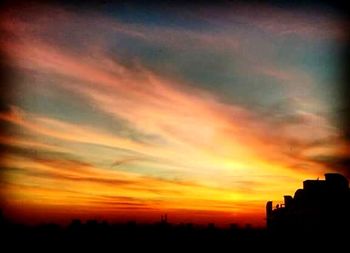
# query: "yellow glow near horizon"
{"type": "Point", "coordinates": [90, 132]}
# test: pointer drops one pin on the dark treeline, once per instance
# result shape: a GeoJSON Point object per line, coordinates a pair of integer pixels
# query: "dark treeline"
{"type": "Point", "coordinates": [129, 235]}
{"type": "Point", "coordinates": [162, 236]}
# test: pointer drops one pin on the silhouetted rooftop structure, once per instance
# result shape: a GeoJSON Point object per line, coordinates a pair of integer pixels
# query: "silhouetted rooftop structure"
{"type": "Point", "coordinates": [322, 205]}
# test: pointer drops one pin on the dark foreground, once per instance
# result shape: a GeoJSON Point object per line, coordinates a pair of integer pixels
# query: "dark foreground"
{"type": "Point", "coordinates": [165, 237]}
{"type": "Point", "coordinates": [316, 219]}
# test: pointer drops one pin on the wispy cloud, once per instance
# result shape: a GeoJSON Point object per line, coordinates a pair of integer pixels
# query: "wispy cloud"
{"type": "Point", "coordinates": [201, 153]}
{"type": "Point", "coordinates": [307, 23]}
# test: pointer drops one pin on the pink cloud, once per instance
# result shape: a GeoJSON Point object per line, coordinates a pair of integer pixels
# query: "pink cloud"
{"type": "Point", "coordinates": [201, 136]}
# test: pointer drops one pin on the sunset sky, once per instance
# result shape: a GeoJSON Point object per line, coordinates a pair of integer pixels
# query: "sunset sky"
{"type": "Point", "coordinates": [126, 112]}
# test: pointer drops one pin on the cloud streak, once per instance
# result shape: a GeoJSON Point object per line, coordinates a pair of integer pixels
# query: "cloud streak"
{"type": "Point", "coordinates": [201, 152]}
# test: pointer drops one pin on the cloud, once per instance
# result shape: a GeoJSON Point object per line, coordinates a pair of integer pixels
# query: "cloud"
{"type": "Point", "coordinates": [308, 23]}
{"type": "Point", "coordinates": [125, 160]}
{"type": "Point", "coordinates": [64, 130]}
{"type": "Point", "coordinates": [151, 104]}
{"type": "Point", "coordinates": [202, 153]}
{"type": "Point", "coordinates": [335, 163]}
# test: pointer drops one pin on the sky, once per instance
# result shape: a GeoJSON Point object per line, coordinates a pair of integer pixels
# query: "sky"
{"type": "Point", "coordinates": [204, 112]}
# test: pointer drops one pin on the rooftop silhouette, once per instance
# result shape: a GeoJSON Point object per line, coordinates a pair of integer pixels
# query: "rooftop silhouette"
{"type": "Point", "coordinates": [320, 207]}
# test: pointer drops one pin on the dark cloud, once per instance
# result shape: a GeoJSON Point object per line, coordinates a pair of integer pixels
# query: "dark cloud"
{"type": "Point", "coordinates": [343, 163]}
{"type": "Point", "coordinates": [69, 168]}
{"type": "Point", "coordinates": [67, 177]}
{"type": "Point", "coordinates": [6, 85]}
{"type": "Point", "coordinates": [338, 163]}
{"type": "Point", "coordinates": [125, 160]}
{"type": "Point", "coordinates": [35, 153]}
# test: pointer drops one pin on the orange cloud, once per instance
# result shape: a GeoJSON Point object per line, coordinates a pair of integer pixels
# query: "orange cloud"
{"type": "Point", "coordinates": [228, 159]}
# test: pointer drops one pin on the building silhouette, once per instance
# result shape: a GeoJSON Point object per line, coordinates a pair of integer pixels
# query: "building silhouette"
{"type": "Point", "coordinates": [321, 207]}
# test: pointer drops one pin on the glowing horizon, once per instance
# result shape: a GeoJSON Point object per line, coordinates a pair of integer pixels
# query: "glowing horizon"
{"type": "Point", "coordinates": [117, 115]}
